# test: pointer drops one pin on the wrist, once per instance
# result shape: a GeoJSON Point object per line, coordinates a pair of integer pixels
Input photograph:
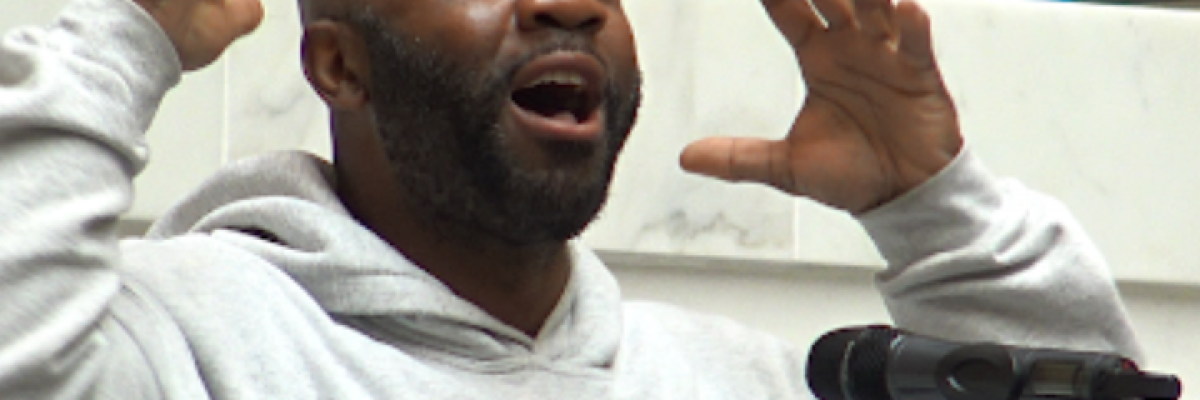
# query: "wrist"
{"type": "Point", "coordinates": [956, 204]}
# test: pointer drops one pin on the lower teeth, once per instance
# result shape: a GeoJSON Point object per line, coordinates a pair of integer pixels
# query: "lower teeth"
{"type": "Point", "coordinates": [565, 116]}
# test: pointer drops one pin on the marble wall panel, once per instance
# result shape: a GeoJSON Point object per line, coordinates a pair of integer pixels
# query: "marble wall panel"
{"type": "Point", "coordinates": [706, 73]}
{"type": "Point", "coordinates": [1096, 105]}
{"type": "Point", "coordinates": [271, 105]}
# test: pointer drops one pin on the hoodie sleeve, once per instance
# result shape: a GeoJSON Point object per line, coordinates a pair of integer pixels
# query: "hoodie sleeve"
{"type": "Point", "coordinates": [75, 99]}
{"type": "Point", "coordinates": [976, 258]}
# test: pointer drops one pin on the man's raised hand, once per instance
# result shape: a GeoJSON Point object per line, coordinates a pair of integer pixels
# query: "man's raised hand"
{"type": "Point", "coordinates": [202, 29]}
{"type": "Point", "coordinates": [877, 122]}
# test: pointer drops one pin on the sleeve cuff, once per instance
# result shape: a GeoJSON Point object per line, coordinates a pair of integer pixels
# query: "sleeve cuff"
{"type": "Point", "coordinates": [948, 211]}
{"type": "Point", "coordinates": [124, 38]}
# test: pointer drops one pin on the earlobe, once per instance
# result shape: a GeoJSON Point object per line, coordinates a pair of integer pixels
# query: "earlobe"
{"type": "Point", "coordinates": [334, 63]}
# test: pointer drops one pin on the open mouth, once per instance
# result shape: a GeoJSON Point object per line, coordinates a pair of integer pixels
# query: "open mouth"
{"type": "Point", "coordinates": [560, 96]}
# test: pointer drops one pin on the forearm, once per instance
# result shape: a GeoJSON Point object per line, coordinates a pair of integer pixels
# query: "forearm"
{"type": "Point", "coordinates": [75, 99]}
{"type": "Point", "coordinates": [972, 257]}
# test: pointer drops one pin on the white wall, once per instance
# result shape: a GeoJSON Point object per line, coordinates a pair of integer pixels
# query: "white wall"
{"type": "Point", "coordinates": [1097, 107]}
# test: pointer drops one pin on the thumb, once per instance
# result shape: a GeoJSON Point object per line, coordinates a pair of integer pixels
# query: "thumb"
{"type": "Point", "coordinates": [739, 159]}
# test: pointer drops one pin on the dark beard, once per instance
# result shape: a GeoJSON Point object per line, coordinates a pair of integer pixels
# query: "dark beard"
{"type": "Point", "coordinates": [439, 124]}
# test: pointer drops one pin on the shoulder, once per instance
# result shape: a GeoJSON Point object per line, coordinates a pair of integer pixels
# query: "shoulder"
{"type": "Point", "coordinates": [191, 256]}
{"type": "Point", "coordinates": [702, 334]}
{"type": "Point", "coordinates": [197, 274]}
{"type": "Point", "coordinates": [715, 352]}
{"type": "Point", "coordinates": [668, 318]}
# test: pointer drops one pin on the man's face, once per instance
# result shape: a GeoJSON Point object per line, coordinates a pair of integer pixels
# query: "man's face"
{"type": "Point", "coordinates": [503, 117]}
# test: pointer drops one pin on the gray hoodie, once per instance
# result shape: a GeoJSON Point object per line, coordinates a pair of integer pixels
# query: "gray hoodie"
{"type": "Point", "coordinates": [260, 285]}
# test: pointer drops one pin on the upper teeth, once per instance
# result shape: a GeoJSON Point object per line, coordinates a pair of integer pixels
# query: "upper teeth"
{"type": "Point", "coordinates": [559, 78]}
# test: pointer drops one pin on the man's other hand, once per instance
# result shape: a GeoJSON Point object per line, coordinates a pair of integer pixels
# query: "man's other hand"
{"type": "Point", "coordinates": [202, 29]}
{"type": "Point", "coordinates": [877, 122]}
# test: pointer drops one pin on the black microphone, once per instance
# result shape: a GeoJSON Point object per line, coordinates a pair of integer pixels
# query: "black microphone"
{"type": "Point", "coordinates": [882, 363]}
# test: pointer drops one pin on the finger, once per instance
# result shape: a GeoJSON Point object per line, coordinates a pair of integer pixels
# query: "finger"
{"type": "Point", "coordinates": [913, 26]}
{"type": "Point", "coordinates": [875, 18]}
{"type": "Point", "coordinates": [796, 19]}
{"type": "Point", "coordinates": [739, 159]}
{"type": "Point", "coordinates": [838, 14]}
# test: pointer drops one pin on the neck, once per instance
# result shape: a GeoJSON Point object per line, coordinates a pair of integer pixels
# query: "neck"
{"type": "Point", "coordinates": [519, 285]}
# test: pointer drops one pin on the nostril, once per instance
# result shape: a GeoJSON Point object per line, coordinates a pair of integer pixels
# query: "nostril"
{"type": "Point", "coordinates": [585, 23]}
{"type": "Point", "coordinates": [591, 24]}
{"type": "Point", "coordinates": [547, 20]}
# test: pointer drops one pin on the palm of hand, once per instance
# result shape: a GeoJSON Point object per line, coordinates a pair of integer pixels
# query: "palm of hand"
{"type": "Point", "coordinates": [877, 121]}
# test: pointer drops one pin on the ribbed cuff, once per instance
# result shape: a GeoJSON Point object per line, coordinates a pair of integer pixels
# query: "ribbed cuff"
{"type": "Point", "coordinates": [121, 36]}
{"type": "Point", "coordinates": [946, 212]}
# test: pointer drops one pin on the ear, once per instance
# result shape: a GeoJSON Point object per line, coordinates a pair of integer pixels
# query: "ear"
{"type": "Point", "coordinates": [336, 64]}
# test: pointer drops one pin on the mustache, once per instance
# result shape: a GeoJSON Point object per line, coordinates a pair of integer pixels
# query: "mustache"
{"type": "Point", "coordinates": [559, 42]}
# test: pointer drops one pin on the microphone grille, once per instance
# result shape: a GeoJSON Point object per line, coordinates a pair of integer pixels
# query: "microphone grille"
{"type": "Point", "coordinates": [824, 370]}
{"type": "Point", "coordinates": [867, 363]}
{"type": "Point", "coordinates": [851, 363]}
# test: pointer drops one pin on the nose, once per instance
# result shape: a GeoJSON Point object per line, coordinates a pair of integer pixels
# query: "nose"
{"type": "Point", "coordinates": [583, 16]}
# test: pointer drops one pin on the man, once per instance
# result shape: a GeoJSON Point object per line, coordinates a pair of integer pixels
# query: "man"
{"type": "Point", "coordinates": [433, 259]}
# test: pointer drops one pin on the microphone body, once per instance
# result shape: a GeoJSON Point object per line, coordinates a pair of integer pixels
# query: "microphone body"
{"type": "Point", "coordinates": [881, 363]}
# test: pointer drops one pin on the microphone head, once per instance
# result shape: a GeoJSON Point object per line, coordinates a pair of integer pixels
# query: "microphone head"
{"type": "Point", "coordinates": [873, 361]}
{"type": "Point", "coordinates": [824, 371]}
{"type": "Point", "coordinates": [851, 363]}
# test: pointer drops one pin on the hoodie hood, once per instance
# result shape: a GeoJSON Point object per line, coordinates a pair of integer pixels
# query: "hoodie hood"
{"type": "Point", "coordinates": [283, 208]}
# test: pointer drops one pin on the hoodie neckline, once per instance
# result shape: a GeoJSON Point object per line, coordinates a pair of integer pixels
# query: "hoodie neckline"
{"type": "Point", "coordinates": [282, 207]}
